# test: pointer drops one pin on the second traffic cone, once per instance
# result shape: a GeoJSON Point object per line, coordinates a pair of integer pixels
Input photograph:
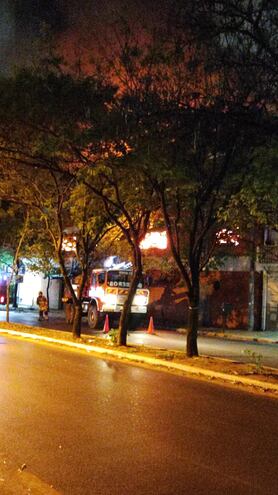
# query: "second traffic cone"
{"type": "Point", "coordinates": [151, 326]}
{"type": "Point", "coordinates": [106, 325]}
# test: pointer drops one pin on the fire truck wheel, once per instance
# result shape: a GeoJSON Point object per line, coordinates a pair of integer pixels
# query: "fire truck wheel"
{"type": "Point", "coordinates": [93, 317]}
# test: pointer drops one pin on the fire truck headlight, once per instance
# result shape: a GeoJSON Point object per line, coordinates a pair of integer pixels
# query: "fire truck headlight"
{"type": "Point", "coordinates": [110, 299]}
{"type": "Point", "coordinates": [140, 300]}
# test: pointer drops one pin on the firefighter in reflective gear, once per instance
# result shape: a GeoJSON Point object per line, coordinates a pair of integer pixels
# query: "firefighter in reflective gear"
{"type": "Point", "coordinates": [43, 307]}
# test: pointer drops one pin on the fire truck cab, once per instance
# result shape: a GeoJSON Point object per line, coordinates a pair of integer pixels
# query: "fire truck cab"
{"type": "Point", "coordinates": [107, 293]}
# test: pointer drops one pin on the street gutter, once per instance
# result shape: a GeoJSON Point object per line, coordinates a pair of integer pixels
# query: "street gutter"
{"type": "Point", "coordinates": [151, 361]}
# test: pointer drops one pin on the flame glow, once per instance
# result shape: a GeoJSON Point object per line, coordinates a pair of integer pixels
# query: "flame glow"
{"type": "Point", "coordinates": [226, 236]}
{"type": "Point", "coordinates": [154, 240]}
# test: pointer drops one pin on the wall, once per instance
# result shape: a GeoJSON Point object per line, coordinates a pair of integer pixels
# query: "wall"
{"type": "Point", "coordinates": [54, 292]}
{"type": "Point", "coordinates": [28, 290]}
{"type": "Point", "coordinates": [227, 306]}
{"type": "Point", "coordinates": [271, 300]}
{"type": "Point", "coordinates": [219, 290]}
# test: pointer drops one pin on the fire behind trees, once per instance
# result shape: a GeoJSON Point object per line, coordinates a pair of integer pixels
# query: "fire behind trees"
{"type": "Point", "coordinates": [185, 126]}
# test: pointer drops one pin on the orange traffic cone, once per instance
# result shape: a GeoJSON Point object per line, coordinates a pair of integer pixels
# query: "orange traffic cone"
{"type": "Point", "coordinates": [106, 328]}
{"type": "Point", "coordinates": [151, 326]}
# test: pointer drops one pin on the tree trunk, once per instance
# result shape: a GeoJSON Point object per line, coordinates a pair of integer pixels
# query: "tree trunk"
{"type": "Point", "coordinates": [251, 298]}
{"type": "Point", "coordinates": [251, 302]}
{"type": "Point", "coordinates": [193, 317]}
{"type": "Point", "coordinates": [77, 319]}
{"type": "Point", "coordinates": [125, 315]}
{"type": "Point", "coordinates": [76, 299]}
{"type": "Point", "coordinates": [8, 301]}
{"type": "Point", "coordinates": [15, 305]}
{"type": "Point", "coordinates": [192, 331]}
{"type": "Point", "coordinates": [47, 290]}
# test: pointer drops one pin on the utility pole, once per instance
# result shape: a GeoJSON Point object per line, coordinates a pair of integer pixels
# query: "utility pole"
{"type": "Point", "coordinates": [251, 298]}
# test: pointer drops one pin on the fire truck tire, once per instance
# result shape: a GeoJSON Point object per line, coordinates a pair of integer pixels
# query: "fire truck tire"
{"type": "Point", "coordinates": [93, 317]}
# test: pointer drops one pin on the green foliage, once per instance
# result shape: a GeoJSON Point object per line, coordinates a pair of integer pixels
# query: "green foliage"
{"type": "Point", "coordinates": [11, 222]}
{"type": "Point", "coordinates": [37, 261]}
{"type": "Point", "coordinates": [256, 204]}
{"type": "Point", "coordinates": [113, 335]}
{"type": "Point", "coordinates": [177, 141]}
{"type": "Point", "coordinates": [238, 36]}
{"type": "Point", "coordinates": [6, 258]}
{"type": "Point", "coordinates": [256, 358]}
{"type": "Point", "coordinates": [168, 356]}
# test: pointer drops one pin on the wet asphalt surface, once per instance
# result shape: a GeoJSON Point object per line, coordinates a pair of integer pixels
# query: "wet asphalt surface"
{"type": "Point", "coordinates": [210, 346]}
{"type": "Point", "coordinates": [91, 426]}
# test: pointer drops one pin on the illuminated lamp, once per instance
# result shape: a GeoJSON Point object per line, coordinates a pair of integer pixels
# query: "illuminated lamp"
{"type": "Point", "coordinates": [154, 240]}
{"type": "Point", "coordinates": [109, 262]}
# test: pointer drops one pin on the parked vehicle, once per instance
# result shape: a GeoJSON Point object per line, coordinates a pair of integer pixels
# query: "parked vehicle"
{"type": "Point", "coordinates": [107, 293]}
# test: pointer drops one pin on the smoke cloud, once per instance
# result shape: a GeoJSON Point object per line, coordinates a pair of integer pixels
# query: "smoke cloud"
{"type": "Point", "coordinates": [73, 25]}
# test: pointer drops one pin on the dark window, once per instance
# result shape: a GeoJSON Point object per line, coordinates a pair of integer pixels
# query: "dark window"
{"type": "Point", "coordinates": [101, 278]}
{"type": "Point", "coordinates": [216, 285]}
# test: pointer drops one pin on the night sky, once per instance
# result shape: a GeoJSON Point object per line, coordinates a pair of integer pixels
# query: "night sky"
{"type": "Point", "coordinates": [74, 24]}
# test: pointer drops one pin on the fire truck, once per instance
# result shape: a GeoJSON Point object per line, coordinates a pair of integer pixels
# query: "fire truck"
{"type": "Point", "coordinates": [107, 293]}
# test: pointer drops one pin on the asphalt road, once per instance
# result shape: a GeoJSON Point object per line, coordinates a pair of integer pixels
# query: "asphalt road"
{"type": "Point", "coordinates": [210, 346]}
{"type": "Point", "coordinates": [90, 426]}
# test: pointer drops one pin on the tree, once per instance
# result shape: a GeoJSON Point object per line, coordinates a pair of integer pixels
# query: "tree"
{"type": "Point", "coordinates": [44, 116]}
{"type": "Point", "coordinates": [91, 225]}
{"type": "Point", "coordinates": [244, 34]}
{"type": "Point", "coordinates": [58, 203]}
{"type": "Point", "coordinates": [210, 157]}
{"type": "Point", "coordinates": [126, 198]}
{"type": "Point", "coordinates": [39, 256]}
{"type": "Point", "coordinates": [193, 133]}
{"type": "Point", "coordinates": [78, 144]}
{"type": "Point", "coordinates": [15, 226]}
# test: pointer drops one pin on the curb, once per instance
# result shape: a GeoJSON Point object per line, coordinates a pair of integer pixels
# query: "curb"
{"type": "Point", "coordinates": [240, 380]}
{"type": "Point", "coordinates": [239, 338]}
{"type": "Point", "coordinates": [230, 336]}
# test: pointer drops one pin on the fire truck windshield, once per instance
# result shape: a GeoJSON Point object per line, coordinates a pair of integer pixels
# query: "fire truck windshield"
{"type": "Point", "coordinates": [116, 278]}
